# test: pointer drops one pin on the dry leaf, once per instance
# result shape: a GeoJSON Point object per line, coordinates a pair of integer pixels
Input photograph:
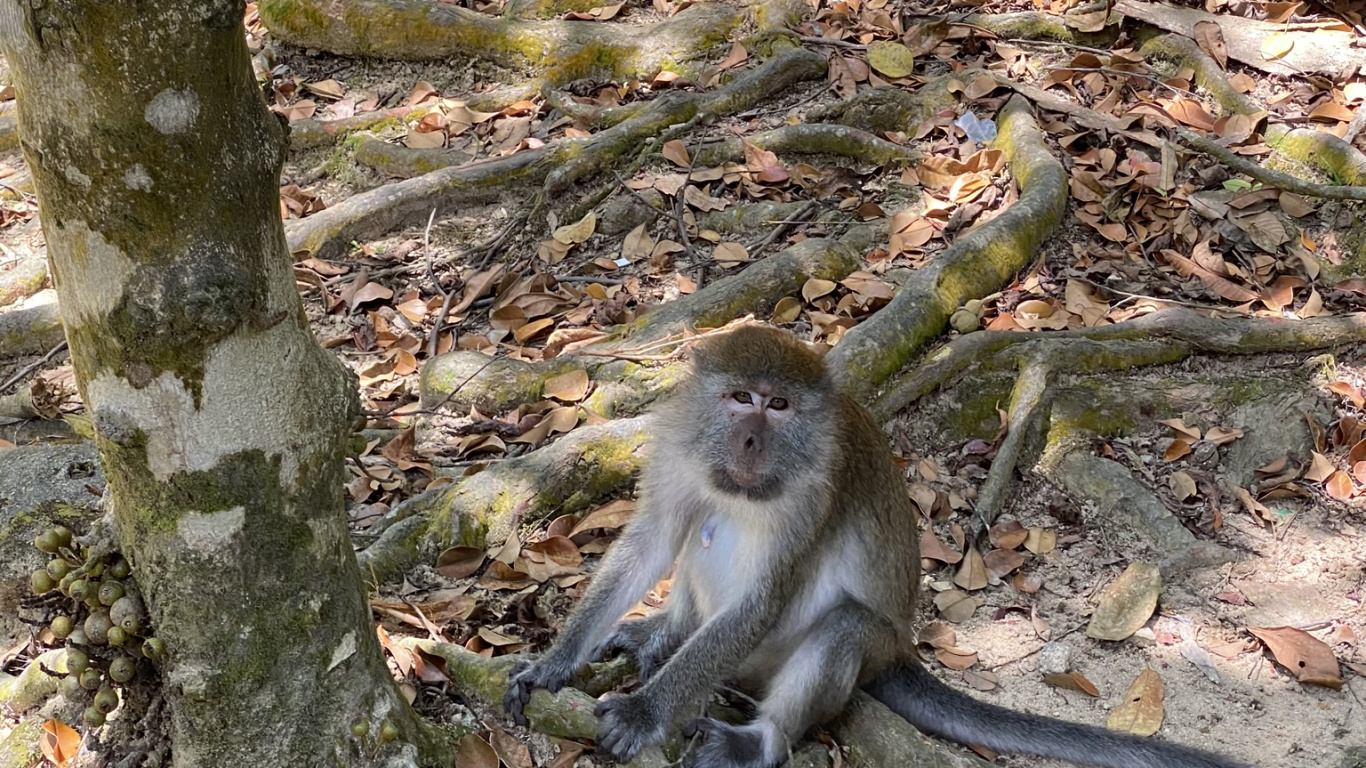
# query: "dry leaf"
{"type": "Point", "coordinates": [1339, 485]}
{"type": "Point", "coordinates": [677, 153]}
{"type": "Point", "coordinates": [1127, 603]}
{"type": "Point", "coordinates": [1182, 485]}
{"type": "Point", "coordinates": [1073, 681]}
{"type": "Point", "coordinates": [1041, 541]}
{"type": "Point", "coordinates": [611, 516]}
{"type": "Point", "coordinates": [579, 231]}
{"type": "Point", "coordinates": [1210, 36]}
{"type": "Point", "coordinates": [1142, 712]}
{"type": "Point", "coordinates": [1277, 45]}
{"type": "Point", "coordinates": [956, 606]}
{"type": "Point", "coordinates": [569, 387]}
{"type": "Point", "coordinates": [1307, 657]}
{"type": "Point", "coordinates": [474, 752]}
{"type": "Point", "coordinates": [972, 574]}
{"type": "Point", "coordinates": [890, 58]}
{"type": "Point", "coordinates": [460, 562]}
{"type": "Point", "coordinates": [59, 742]}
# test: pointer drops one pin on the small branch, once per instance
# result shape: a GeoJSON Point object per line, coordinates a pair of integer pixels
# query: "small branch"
{"type": "Point", "coordinates": [31, 367]}
{"type": "Point", "coordinates": [833, 43]}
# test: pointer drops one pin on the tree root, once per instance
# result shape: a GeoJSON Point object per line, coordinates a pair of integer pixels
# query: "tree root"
{"type": "Point", "coordinates": [1160, 338]}
{"type": "Point", "coordinates": [975, 265]}
{"type": "Point", "coordinates": [569, 475]}
{"type": "Point", "coordinates": [558, 51]}
{"type": "Point", "coordinates": [33, 686]}
{"type": "Point", "coordinates": [461, 380]}
{"type": "Point", "coordinates": [886, 110]}
{"type": "Point", "coordinates": [25, 278]}
{"type": "Point", "coordinates": [19, 747]}
{"type": "Point", "coordinates": [32, 330]}
{"type": "Point", "coordinates": [874, 735]}
{"type": "Point", "coordinates": [1028, 405]}
{"type": "Point", "coordinates": [312, 133]}
{"type": "Point", "coordinates": [381, 210]}
{"type": "Point", "coordinates": [1316, 49]}
{"type": "Point", "coordinates": [1033, 25]}
{"type": "Point", "coordinates": [811, 139]}
{"type": "Point", "coordinates": [1268, 176]}
{"type": "Point", "coordinates": [403, 162]}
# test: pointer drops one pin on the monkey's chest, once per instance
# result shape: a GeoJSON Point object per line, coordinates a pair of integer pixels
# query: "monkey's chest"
{"type": "Point", "coordinates": [717, 565]}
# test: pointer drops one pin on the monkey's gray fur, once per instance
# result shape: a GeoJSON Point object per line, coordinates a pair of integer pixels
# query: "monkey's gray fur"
{"type": "Point", "coordinates": [798, 561]}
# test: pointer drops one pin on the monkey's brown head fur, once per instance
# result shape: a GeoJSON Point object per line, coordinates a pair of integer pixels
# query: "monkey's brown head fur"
{"type": "Point", "coordinates": [754, 400]}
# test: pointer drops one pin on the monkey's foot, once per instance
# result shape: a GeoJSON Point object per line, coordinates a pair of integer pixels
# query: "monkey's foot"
{"type": "Point", "coordinates": [723, 745]}
{"type": "Point", "coordinates": [627, 724]}
{"type": "Point", "coordinates": [526, 677]}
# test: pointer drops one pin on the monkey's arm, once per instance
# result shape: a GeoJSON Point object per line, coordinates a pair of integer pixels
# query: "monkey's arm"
{"type": "Point", "coordinates": [632, 566]}
{"type": "Point", "coordinates": [630, 722]}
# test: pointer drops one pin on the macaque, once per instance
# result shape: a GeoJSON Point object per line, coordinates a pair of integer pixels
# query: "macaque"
{"type": "Point", "coordinates": [798, 562]}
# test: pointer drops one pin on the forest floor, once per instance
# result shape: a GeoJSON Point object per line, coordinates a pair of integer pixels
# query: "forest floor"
{"type": "Point", "coordinates": [1254, 459]}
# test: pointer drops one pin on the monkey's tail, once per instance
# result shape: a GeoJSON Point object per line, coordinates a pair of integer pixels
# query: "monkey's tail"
{"type": "Point", "coordinates": [934, 708]}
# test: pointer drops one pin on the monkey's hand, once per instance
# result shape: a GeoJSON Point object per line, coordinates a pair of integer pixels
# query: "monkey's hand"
{"type": "Point", "coordinates": [526, 677]}
{"type": "Point", "coordinates": [650, 641]}
{"type": "Point", "coordinates": [627, 724]}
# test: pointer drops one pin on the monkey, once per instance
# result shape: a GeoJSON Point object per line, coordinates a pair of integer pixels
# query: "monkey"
{"type": "Point", "coordinates": [796, 553]}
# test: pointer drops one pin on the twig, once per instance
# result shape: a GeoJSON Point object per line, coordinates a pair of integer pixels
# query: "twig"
{"type": "Point", "coordinates": [1159, 299]}
{"type": "Point", "coordinates": [1266, 175]}
{"type": "Point", "coordinates": [1124, 72]}
{"type": "Point", "coordinates": [31, 367]}
{"type": "Point", "coordinates": [833, 43]}
{"type": "Point", "coordinates": [1057, 43]}
{"type": "Point", "coordinates": [784, 226]}
{"type": "Point", "coordinates": [517, 223]}
{"type": "Point", "coordinates": [446, 296]}
{"type": "Point", "coordinates": [600, 280]}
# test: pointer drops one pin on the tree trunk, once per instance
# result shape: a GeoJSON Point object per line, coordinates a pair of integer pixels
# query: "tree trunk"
{"type": "Point", "coordinates": [221, 422]}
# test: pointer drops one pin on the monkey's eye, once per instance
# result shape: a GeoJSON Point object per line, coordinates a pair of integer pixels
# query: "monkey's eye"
{"type": "Point", "coordinates": [778, 403]}
{"type": "Point", "coordinates": [743, 397]}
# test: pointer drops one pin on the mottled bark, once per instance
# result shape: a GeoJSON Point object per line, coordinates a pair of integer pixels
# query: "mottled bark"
{"type": "Point", "coordinates": [221, 423]}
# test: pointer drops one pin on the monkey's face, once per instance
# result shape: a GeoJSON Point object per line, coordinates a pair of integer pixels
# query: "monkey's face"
{"type": "Point", "coordinates": [759, 438]}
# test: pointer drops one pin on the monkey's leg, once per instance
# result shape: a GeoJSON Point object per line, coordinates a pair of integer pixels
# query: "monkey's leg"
{"type": "Point", "coordinates": [811, 686]}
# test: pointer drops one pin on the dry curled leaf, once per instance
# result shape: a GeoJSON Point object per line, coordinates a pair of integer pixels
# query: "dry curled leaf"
{"type": "Point", "coordinates": [1072, 681]}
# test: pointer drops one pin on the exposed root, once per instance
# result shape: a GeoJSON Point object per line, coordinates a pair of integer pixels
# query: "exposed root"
{"type": "Point", "coordinates": [885, 110]}
{"type": "Point", "coordinates": [25, 278]}
{"type": "Point", "coordinates": [1028, 403]}
{"type": "Point", "coordinates": [32, 330]}
{"type": "Point", "coordinates": [403, 162]}
{"type": "Point", "coordinates": [311, 133]}
{"type": "Point", "coordinates": [812, 139]}
{"type": "Point", "coordinates": [377, 212]}
{"type": "Point", "coordinates": [1033, 25]}
{"type": "Point", "coordinates": [461, 379]}
{"type": "Point", "coordinates": [1160, 338]}
{"type": "Point", "coordinates": [1268, 176]}
{"type": "Point", "coordinates": [975, 265]}
{"type": "Point", "coordinates": [1316, 48]}
{"type": "Point", "coordinates": [874, 735]}
{"type": "Point", "coordinates": [755, 289]}
{"type": "Point", "coordinates": [569, 475]}
{"type": "Point", "coordinates": [33, 686]}
{"type": "Point", "coordinates": [557, 51]}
